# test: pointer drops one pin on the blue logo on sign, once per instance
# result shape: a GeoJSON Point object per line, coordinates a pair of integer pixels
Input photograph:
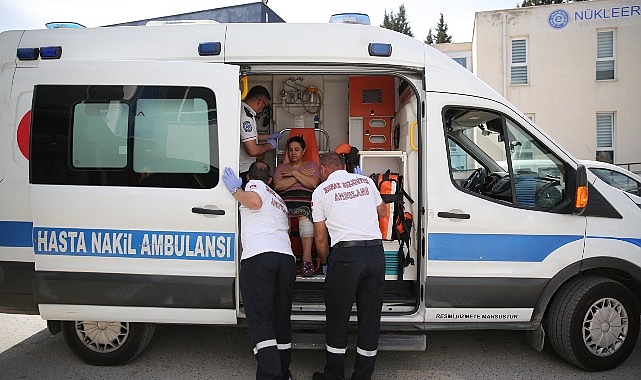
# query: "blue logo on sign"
{"type": "Point", "coordinates": [558, 19]}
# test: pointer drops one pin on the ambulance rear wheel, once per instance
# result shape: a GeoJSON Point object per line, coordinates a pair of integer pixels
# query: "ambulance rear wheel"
{"type": "Point", "coordinates": [593, 322]}
{"type": "Point", "coordinates": [106, 343]}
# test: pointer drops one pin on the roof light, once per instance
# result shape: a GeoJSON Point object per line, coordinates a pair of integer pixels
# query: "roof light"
{"type": "Point", "coordinates": [51, 52]}
{"type": "Point", "coordinates": [179, 22]}
{"type": "Point", "coordinates": [28, 54]}
{"type": "Point", "coordinates": [380, 49]}
{"type": "Point", "coordinates": [209, 48]}
{"type": "Point", "coordinates": [349, 18]}
{"type": "Point", "coordinates": [63, 25]}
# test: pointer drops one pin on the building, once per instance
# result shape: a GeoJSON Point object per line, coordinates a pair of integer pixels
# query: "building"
{"type": "Point", "coordinates": [257, 12]}
{"type": "Point", "coordinates": [574, 69]}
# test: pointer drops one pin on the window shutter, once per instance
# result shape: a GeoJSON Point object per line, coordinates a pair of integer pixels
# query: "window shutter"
{"type": "Point", "coordinates": [604, 124]}
{"type": "Point", "coordinates": [518, 70]}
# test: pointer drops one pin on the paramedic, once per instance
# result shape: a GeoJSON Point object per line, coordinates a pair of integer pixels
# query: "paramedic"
{"type": "Point", "coordinates": [348, 207]}
{"type": "Point", "coordinates": [267, 269]}
{"type": "Point", "coordinates": [256, 101]}
{"type": "Point", "coordinates": [294, 181]}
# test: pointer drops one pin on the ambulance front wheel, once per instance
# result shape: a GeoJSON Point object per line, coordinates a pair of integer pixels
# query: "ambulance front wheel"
{"type": "Point", "coordinates": [107, 343]}
{"type": "Point", "coordinates": [593, 322]}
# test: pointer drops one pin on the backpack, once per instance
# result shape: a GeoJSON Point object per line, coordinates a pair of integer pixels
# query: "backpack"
{"type": "Point", "coordinates": [398, 224]}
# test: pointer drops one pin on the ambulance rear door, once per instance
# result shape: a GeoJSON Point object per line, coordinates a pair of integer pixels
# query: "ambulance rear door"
{"type": "Point", "coordinates": [131, 219]}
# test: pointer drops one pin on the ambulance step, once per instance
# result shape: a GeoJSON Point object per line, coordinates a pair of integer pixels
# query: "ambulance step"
{"type": "Point", "coordinates": [386, 342]}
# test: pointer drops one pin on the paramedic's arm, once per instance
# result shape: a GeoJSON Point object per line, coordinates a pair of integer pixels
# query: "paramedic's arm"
{"type": "Point", "coordinates": [381, 210]}
{"type": "Point", "coordinates": [254, 149]}
{"type": "Point", "coordinates": [322, 243]}
{"type": "Point", "coordinates": [249, 199]}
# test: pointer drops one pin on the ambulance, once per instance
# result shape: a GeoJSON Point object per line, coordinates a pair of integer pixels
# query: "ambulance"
{"type": "Point", "coordinates": [114, 218]}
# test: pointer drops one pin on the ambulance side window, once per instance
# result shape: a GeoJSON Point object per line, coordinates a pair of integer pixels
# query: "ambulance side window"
{"type": "Point", "coordinates": [143, 136]}
{"type": "Point", "coordinates": [493, 157]}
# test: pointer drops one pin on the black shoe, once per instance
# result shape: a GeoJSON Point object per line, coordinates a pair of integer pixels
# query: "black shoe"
{"type": "Point", "coordinates": [318, 376]}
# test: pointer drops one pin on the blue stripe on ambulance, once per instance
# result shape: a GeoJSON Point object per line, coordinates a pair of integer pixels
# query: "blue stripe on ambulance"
{"type": "Point", "coordinates": [119, 243]}
{"type": "Point", "coordinates": [495, 247]}
{"type": "Point", "coordinates": [15, 234]}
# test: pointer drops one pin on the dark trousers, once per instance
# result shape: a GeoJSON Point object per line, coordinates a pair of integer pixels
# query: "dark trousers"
{"type": "Point", "coordinates": [266, 282]}
{"type": "Point", "coordinates": [353, 273]}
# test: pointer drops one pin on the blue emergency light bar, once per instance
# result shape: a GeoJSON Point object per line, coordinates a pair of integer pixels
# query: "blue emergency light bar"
{"type": "Point", "coordinates": [47, 52]}
{"type": "Point", "coordinates": [51, 52]}
{"type": "Point", "coordinates": [209, 48]}
{"type": "Point", "coordinates": [379, 49]}
{"type": "Point", "coordinates": [28, 54]}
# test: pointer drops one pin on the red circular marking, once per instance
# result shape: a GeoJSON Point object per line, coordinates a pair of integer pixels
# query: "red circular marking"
{"type": "Point", "coordinates": [23, 134]}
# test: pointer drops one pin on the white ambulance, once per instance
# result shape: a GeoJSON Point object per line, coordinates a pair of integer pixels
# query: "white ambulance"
{"type": "Point", "coordinates": [114, 218]}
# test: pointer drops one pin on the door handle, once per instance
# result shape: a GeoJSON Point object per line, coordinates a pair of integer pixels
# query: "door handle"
{"type": "Point", "coordinates": [452, 215]}
{"type": "Point", "coordinates": [207, 211]}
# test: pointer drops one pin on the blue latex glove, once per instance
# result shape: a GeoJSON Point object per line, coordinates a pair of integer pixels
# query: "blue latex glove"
{"type": "Point", "coordinates": [358, 170]}
{"type": "Point", "coordinates": [275, 136]}
{"type": "Point", "coordinates": [231, 180]}
{"type": "Point", "coordinates": [324, 269]}
{"type": "Point", "coordinates": [273, 142]}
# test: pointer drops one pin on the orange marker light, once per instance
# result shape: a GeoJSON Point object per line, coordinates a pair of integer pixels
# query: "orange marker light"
{"type": "Point", "coordinates": [581, 197]}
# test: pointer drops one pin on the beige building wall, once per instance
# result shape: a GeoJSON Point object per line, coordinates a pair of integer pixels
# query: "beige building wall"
{"type": "Point", "coordinates": [562, 94]}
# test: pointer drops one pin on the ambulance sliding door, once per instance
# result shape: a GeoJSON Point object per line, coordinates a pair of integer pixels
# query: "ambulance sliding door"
{"type": "Point", "coordinates": [132, 221]}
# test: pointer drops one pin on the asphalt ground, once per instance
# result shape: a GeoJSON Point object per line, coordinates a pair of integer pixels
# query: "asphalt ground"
{"type": "Point", "coordinates": [29, 351]}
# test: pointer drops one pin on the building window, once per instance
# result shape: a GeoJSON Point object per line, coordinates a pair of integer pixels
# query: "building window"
{"type": "Point", "coordinates": [605, 55]}
{"type": "Point", "coordinates": [604, 137]}
{"type": "Point", "coordinates": [461, 61]}
{"type": "Point", "coordinates": [518, 69]}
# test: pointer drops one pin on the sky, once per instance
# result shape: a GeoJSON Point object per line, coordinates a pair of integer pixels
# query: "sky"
{"type": "Point", "coordinates": [421, 14]}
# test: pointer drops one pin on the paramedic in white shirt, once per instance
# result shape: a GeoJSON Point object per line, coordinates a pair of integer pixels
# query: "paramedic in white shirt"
{"type": "Point", "coordinates": [267, 269]}
{"type": "Point", "coordinates": [255, 102]}
{"type": "Point", "coordinates": [347, 206]}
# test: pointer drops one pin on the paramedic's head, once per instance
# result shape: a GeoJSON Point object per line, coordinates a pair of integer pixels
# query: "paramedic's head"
{"type": "Point", "coordinates": [258, 98]}
{"type": "Point", "coordinates": [261, 171]}
{"type": "Point", "coordinates": [330, 162]}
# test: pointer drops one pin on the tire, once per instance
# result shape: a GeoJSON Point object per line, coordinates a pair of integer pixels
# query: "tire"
{"type": "Point", "coordinates": [107, 343]}
{"type": "Point", "coordinates": [593, 323]}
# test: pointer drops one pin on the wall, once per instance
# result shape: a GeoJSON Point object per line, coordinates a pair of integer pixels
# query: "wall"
{"type": "Point", "coordinates": [562, 94]}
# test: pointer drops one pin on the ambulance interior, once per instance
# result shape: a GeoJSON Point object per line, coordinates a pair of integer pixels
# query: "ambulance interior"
{"type": "Point", "coordinates": [377, 114]}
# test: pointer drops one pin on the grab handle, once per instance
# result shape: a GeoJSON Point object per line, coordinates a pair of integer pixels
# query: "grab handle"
{"type": "Point", "coordinates": [412, 142]}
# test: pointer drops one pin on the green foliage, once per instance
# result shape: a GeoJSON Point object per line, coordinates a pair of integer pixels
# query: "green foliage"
{"type": "Point", "coordinates": [441, 35]}
{"type": "Point", "coordinates": [397, 22]}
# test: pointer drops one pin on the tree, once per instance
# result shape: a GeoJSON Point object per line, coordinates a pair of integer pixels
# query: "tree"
{"type": "Point", "coordinates": [533, 3]}
{"type": "Point", "coordinates": [441, 35]}
{"type": "Point", "coordinates": [397, 22]}
{"type": "Point", "coordinates": [430, 37]}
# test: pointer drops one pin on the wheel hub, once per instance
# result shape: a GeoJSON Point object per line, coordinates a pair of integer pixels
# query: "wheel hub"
{"type": "Point", "coordinates": [605, 327]}
{"type": "Point", "coordinates": [100, 336]}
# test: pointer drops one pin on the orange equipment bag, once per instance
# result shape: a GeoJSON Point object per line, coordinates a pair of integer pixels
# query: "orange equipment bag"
{"type": "Point", "coordinates": [397, 225]}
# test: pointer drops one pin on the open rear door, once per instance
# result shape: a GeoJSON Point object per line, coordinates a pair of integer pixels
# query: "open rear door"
{"type": "Point", "coordinates": [131, 219]}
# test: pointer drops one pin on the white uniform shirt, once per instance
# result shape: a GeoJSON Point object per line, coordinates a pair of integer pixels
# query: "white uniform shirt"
{"type": "Point", "coordinates": [265, 229]}
{"type": "Point", "coordinates": [347, 203]}
{"type": "Point", "coordinates": [248, 132]}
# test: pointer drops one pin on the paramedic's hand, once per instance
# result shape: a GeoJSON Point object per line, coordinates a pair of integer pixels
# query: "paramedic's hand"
{"type": "Point", "coordinates": [275, 136]}
{"type": "Point", "coordinates": [231, 180]}
{"type": "Point", "coordinates": [273, 142]}
{"type": "Point", "coordinates": [358, 170]}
